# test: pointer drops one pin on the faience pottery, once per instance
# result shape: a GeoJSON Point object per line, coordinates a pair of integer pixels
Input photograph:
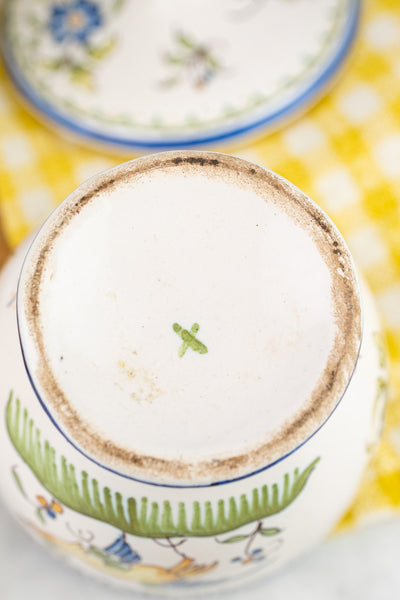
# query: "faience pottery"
{"type": "Point", "coordinates": [192, 376]}
{"type": "Point", "coordinates": [159, 74]}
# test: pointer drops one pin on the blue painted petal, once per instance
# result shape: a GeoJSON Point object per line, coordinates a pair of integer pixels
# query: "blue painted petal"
{"type": "Point", "coordinates": [91, 10]}
{"type": "Point", "coordinates": [257, 551]}
{"type": "Point", "coordinates": [95, 19]}
{"type": "Point", "coordinates": [124, 550]}
{"type": "Point", "coordinates": [116, 546]}
{"type": "Point", "coordinates": [130, 557]}
{"type": "Point", "coordinates": [82, 35]}
{"type": "Point", "coordinates": [59, 25]}
{"type": "Point", "coordinates": [58, 12]}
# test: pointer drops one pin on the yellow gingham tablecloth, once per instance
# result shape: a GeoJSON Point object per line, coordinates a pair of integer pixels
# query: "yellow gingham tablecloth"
{"type": "Point", "coordinates": [344, 153]}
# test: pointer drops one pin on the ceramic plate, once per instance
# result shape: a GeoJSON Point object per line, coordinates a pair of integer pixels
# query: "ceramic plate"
{"type": "Point", "coordinates": [156, 74]}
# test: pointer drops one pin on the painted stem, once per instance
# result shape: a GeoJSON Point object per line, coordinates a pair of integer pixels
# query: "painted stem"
{"type": "Point", "coordinates": [252, 538]}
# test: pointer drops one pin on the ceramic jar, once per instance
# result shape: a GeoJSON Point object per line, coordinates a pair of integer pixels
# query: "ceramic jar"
{"type": "Point", "coordinates": [204, 375]}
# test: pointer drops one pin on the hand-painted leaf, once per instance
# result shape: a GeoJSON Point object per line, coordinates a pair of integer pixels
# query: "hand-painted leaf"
{"type": "Point", "coordinates": [270, 531]}
{"type": "Point", "coordinates": [118, 4]}
{"type": "Point", "coordinates": [34, 22]}
{"type": "Point", "coordinates": [212, 63]}
{"type": "Point", "coordinates": [18, 482]}
{"type": "Point", "coordinates": [174, 59]}
{"type": "Point", "coordinates": [40, 516]}
{"type": "Point", "coordinates": [81, 75]}
{"type": "Point", "coordinates": [55, 64]}
{"type": "Point", "coordinates": [100, 51]}
{"type": "Point", "coordinates": [235, 538]}
{"type": "Point", "coordinates": [185, 41]}
{"type": "Point", "coordinates": [97, 552]}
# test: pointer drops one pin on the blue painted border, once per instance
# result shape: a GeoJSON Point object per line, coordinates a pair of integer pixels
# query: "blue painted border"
{"type": "Point", "coordinates": [315, 88]}
{"type": "Point", "coordinates": [138, 479]}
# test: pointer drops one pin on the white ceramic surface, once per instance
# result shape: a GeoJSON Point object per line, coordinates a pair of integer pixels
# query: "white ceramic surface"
{"type": "Point", "coordinates": [173, 246]}
{"type": "Point", "coordinates": [164, 74]}
{"type": "Point", "coordinates": [164, 534]}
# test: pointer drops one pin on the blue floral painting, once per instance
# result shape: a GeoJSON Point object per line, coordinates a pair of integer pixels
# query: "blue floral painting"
{"type": "Point", "coordinates": [74, 21]}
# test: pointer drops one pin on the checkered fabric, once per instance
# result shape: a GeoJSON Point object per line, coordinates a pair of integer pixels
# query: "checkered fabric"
{"type": "Point", "coordinates": [344, 153]}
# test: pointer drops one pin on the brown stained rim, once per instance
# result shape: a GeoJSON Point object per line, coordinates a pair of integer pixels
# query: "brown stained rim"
{"type": "Point", "coordinates": [328, 390]}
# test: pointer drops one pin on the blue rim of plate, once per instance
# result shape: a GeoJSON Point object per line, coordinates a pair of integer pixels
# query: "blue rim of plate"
{"type": "Point", "coordinates": [312, 92]}
{"type": "Point", "coordinates": [139, 479]}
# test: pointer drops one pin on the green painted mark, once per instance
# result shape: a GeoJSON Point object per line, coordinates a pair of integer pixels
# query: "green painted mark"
{"type": "Point", "coordinates": [18, 482]}
{"type": "Point", "coordinates": [139, 516]}
{"type": "Point", "coordinates": [189, 339]}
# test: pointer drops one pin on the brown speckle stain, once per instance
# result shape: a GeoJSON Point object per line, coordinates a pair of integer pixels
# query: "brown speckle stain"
{"type": "Point", "coordinates": [146, 389]}
{"type": "Point", "coordinates": [327, 391]}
